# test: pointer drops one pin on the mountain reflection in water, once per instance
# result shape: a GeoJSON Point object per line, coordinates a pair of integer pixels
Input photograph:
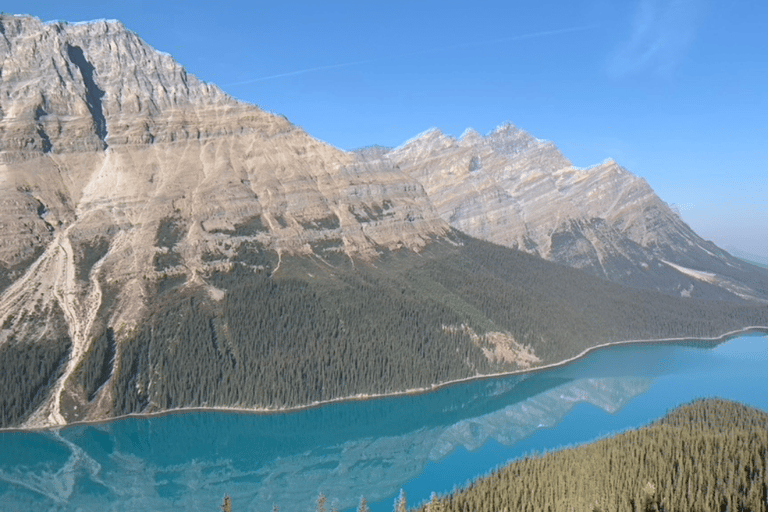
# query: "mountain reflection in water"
{"type": "Point", "coordinates": [346, 450]}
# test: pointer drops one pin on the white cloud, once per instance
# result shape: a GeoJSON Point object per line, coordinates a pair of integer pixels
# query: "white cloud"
{"type": "Point", "coordinates": [660, 35]}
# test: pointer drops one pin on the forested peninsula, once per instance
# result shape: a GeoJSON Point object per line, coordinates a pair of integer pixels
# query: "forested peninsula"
{"type": "Point", "coordinates": [707, 455]}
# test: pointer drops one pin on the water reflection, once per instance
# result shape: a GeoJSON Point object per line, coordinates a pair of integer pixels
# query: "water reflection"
{"type": "Point", "coordinates": [345, 450]}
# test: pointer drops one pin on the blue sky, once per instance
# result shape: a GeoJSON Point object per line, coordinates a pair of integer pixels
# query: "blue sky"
{"type": "Point", "coordinates": [674, 90]}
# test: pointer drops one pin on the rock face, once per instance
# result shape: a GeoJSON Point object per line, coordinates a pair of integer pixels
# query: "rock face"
{"type": "Point", "coordinates": [99, 129]}
{"type": "Point", "coordinates": [514, 190]}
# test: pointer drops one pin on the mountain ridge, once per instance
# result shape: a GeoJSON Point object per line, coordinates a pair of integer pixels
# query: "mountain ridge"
{"type": "Point", "coordinates": [515, 190]}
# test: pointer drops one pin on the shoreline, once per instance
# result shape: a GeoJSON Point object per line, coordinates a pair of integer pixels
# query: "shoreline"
{"type": "Point", "coordinates": [413, 391]}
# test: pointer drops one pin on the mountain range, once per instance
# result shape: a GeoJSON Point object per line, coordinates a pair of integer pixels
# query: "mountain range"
{"type": "Point", "coordinates": [165, 246]}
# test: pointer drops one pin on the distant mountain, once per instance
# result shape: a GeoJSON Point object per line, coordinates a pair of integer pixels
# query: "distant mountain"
{"type": "Point", "coordinates": [512, 189]}
{"type": "Point", "coordinates": [747, 256]}
{"type": "Point", "coordinates": [165, 246]}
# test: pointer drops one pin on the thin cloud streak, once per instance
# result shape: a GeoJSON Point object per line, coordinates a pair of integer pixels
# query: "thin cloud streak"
{"type": "Point", "coordinates": [662, 31]}
{"type": "Point", "coordinates": [420, 52]}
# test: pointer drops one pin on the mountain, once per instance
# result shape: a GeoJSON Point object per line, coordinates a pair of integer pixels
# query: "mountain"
{"type": "Point", "coordinates": [165, 246]}
{"type": "Point", "coordinates": [512, 189]}
{"type": "Point", "coordinates": [102, 131]}
{"type": "Point", "coordinates": [116, 162]}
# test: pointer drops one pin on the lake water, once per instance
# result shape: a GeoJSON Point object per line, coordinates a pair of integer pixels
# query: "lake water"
{"type": "Point", "coordinates": [421, 443]}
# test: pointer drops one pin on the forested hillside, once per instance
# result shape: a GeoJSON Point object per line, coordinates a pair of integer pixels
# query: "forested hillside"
{"type": "Point", "coordinates": [313, 331]}
{"type": "Point", "coordinates": [561, 311]}
{"type": "Point", "coordinates": [29, 366]}
{"type": "Point", "coordinates": [288, 331]}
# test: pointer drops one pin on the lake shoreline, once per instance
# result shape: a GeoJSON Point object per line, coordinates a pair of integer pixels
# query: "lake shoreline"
{"type": "Point", "coordinates": [413, 391]}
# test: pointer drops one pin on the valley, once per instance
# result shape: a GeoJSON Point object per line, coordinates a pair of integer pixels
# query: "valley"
{"type": "Point", "coordinates": [190, 284]}
{"type": "Point", "coordinates": [175, 248]}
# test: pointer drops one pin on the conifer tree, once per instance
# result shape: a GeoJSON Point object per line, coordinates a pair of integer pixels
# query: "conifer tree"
{"type": "Point", "coordinates": [401, 503]}
{"type": "Point", "coordinates": [434, 504]}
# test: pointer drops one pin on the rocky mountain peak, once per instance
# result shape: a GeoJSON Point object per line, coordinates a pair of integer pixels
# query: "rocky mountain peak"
{"type": "Point", "coordinates": [85, 86]}
{"type": "Point", "coordinates": [430, 139]}
{"type": "Point", "coordinates": [509, 131]}
{"type": "Point", "coordinates": [509, 140]}
{"type": "Point", "coordinates": [470, 136]}
{"type": "Point", "coordinates": [515, 190]}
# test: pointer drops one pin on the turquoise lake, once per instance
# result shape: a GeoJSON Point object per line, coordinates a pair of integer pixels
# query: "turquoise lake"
{"type": "Point", "coordinates": [420, 443]}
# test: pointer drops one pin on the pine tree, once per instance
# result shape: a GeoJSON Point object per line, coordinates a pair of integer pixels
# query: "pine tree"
{"type": "Point", "coordinates": [401, 504]}
{"type": "Point", "coordinates": [434, 504]}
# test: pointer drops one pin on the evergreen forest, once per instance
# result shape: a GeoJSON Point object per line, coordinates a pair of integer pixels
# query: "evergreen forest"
{"type": "Point", "coordinates": [30, 365]}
